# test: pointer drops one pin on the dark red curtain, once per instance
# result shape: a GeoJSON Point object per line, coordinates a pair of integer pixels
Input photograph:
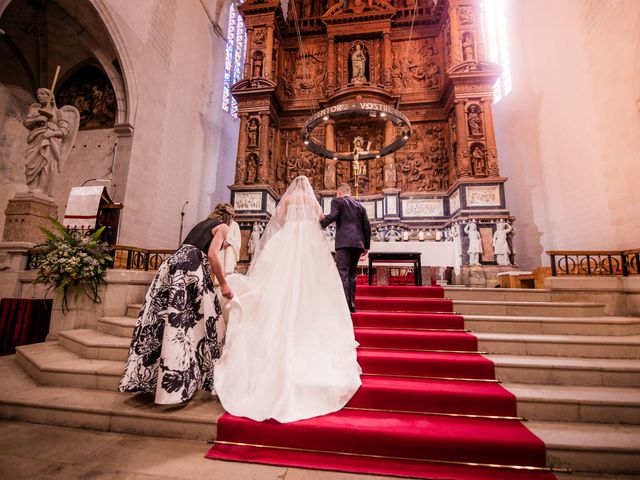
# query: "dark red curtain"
{"type": "Point", "coordinates": [23, 321]}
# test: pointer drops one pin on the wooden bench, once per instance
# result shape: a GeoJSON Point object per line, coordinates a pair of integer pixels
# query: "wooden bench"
{"type": "Point", "coordinates": [397, 257]}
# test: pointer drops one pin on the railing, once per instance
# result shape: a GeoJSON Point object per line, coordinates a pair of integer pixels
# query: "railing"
{"type": "Point", "coordinates": [133, 258]}
{"type": "Point", "coordinates": [595, 263]}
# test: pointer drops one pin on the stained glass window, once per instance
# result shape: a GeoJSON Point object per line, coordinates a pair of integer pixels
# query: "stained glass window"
{"type": "Point", "coordinates": [495, 35]}
{"type": "Point", "coordinates": [234, 58]}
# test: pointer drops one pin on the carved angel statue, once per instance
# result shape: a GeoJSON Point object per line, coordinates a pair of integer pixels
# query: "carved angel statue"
{"type": "Point", "coordinates": [52, 134]}
{"type": "Point", "coordinates": [500, 244]}
{"type": "Point", "coordinates": [475, 243]}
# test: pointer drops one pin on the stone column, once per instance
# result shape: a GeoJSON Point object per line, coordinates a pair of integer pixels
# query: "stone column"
{"type": "Point", "coordinates": [268, 54]}
{"type": "Point", "coordinates": [456, 43]}
{"type": "Point", "coordinates": [241, 163]}
{"type": "Point", "coordinates": [387, 59]}
{"type": "Point", "coordinates": [389, 160]}
{"type": "Point", "coordinates": [263, 168]}
{"type": "Point", "coordinates": [491, 151]}
{"type": "Point", "coordinates": [247, 56]}
{"type": "Point", "coordinates": [331, 64]}
{"type": "Point", "coordinates": [462, 157]}
{"type": "Point", "coordinates": [330, 163]}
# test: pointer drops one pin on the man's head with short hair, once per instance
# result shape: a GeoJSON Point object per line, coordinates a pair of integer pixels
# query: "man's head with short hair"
{"type": "Point", "coordinates": [343, 189]}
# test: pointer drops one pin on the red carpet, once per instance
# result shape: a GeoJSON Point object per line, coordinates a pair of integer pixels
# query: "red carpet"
{"type": "Point", "coordinates": [429, 405]}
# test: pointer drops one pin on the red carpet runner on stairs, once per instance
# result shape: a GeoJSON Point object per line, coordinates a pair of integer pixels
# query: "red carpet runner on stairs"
{"type": "Point", "coordinates": [429, 405]}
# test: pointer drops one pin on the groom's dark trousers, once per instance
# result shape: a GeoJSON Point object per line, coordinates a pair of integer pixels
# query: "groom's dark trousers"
{"type": "Point", "coordinates": [353, 236]}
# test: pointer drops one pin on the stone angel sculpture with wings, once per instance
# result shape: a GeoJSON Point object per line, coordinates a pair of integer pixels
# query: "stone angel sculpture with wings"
{"type": "Point", "coordinates": [52, 135]}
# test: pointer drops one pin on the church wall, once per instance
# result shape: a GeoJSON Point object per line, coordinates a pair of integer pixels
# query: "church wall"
{"type": "Point", "coordinates": [569, 132]}
{"type": "Point", "coordinates": [182, 138]}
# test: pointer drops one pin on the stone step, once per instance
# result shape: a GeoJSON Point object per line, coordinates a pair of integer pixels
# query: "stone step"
{"type": "Point", "coordinates": [599, 325]}
{"type": "Point", "coordinates": [586, 447]}
{"type": "Point", "coordinates": [509, 294]}
{"type": "Point", "coordinates": [118, 326]}
{"type": "Point", "coordinates": [24, 400]}
{"type": "Point", "coordinates": [503, 307]}
{"type": "Point", "coordinates": [89, 343]}
{"type": "Point", "coordinates": [591, 346]}
{"type": "Point", "coordinates": [133, 309]}
{"type": "Point", "coordinates": [589, 447]}
{"type": "Point", "coordinates": [51, 364]}
{"type": "Point", "coordinates": [547, 370]}
{"type": "Point", "coordinates": [579, 404]}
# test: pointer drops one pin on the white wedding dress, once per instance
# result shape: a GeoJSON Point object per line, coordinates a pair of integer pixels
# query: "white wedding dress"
{"type": "Point", "coordinates": [290, 351]}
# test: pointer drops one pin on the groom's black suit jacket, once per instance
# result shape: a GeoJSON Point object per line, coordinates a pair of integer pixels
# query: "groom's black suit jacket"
{"type": "Point", "coordinates": [353, 229]}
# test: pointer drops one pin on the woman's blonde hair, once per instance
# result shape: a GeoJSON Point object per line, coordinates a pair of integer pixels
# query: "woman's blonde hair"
{"type": "Point", "coordinates": [223, 212]}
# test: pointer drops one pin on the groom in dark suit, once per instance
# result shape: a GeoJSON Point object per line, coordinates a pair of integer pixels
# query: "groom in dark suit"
{"type": "Point", "coordinates": [353, 238]}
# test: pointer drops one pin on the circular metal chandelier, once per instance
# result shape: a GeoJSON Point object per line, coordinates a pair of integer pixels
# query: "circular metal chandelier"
{"type": "Point", "coordinates": [358, 109]}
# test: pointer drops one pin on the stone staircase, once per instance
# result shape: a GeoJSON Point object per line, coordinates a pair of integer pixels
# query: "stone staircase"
{"type": "Point", "coordinates": [574, 370]}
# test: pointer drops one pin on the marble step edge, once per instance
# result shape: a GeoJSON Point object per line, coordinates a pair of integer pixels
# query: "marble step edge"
{"type": "Point", "coordinates": [100, 339]}
{"type": "Point", "coordinates": [572, 363]}
{"type": "Point", "coordinates": [604, 319]}
{"type": "Point", "coordinates": [51, 357]}
{"type": "Point", "coordinates": [609, 340]}
{"type": "Point", "coordinates": [595, 437]}
{"type": "Point", "coordinates": [524, 303]}
{"type": "Point", "coordinates": [571, 394]}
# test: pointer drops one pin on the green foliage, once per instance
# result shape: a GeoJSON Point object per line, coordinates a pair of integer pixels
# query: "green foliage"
{"type": "Point", "coordinates": [70, 262]}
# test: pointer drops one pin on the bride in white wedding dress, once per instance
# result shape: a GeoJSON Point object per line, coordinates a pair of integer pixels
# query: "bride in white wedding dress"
{"type": "Point", "coordinates": [290, 351]}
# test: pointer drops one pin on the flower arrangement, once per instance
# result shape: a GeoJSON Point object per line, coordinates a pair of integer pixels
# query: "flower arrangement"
{"type": "Point", "coordinates": [71, 262]}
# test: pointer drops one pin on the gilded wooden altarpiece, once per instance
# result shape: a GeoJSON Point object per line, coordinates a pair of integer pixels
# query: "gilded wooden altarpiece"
{"type": "Point", "coordinates": [425, 59]}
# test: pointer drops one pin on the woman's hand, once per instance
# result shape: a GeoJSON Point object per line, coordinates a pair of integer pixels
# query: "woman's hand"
{"type": "Point", "coordinates": [226, 291]}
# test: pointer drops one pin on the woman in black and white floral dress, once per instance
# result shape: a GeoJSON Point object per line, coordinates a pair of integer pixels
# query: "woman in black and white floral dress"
{"type": "Point", "coordinates": [175, 342]}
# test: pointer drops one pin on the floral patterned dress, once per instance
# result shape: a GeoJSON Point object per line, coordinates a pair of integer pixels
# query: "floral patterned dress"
{"type": "Point", "coordinates": [175, 341]}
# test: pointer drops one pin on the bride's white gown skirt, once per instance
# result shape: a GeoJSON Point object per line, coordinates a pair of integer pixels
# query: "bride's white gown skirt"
{"type": "Point", "coordinates": [290, 351]}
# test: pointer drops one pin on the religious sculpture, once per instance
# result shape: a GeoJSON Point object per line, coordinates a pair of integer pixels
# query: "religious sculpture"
{"type": "Point", "coordinates": [500, 243]}
{"type": "Point", "coordinates": [468, 54]}
{"type": "Point", "coordinates": [254, 238]}
{"type": "Point", "coordinates": [359, 167]}
{"type": "Point", "coordinates": [257, 65]}
{"type": "Point", "coordinates": [252, 133]}
{"type": "Point", "coordinates": [475, 243]}
{"type": "Point", "coordinates": [306, 8]}
{"type": "Point", "coordinates": [474, 121]}
{"type": "Point", "coordinates": [358, 63]}
{"type": "Point", "coordinates": [394, 235]}
{"type": "Point", "coordinates": [252, 168]}
{"type": "Point", "coordinates": [52, 134]}
{"type": "Point", "coordinates": [478, 162]}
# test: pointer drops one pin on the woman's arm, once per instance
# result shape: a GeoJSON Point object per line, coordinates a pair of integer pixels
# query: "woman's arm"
{"type": "Point", "coordinates": [219, 234]}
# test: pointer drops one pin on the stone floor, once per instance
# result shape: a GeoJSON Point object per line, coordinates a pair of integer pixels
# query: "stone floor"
{"type": "Point", "coordinates": [30, 451]}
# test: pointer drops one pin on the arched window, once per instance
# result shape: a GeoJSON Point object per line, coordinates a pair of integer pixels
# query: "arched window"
{"type": "Point", "coordinates": [234, 58]}
{"type": "Point", "coordinates": [495, 35]}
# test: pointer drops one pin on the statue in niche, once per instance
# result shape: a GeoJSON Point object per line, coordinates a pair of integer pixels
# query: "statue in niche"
{"type": "Point", "coordinates": [306, 8]}
{"type": "Point", "coordinates": [468, 49]}
{"type": "Point", "coordinates": [492, 163]}
{"type": "Point", "coordinates": [330, 174]}
{"type": "Point", "coordinates": [252, 168]}
{"type": "Point", "coordinates": [52, 134]}
{"type": "Point", "coordinates": [358, 65]}
{"type": "Point", "coordinates": [475, 243]}
{"type": "Point", "coordinates": [478, 161]}
{"type": "Point", "coordinates": [474, 121]}
{"type": "Point", "coordinates": [254, 238]}
{"type": "Point", "coordinates": [462, 159]}
{"type": "Point", "coordinates": [252, 133]}
{"type": "Point", "coordinates": [500, 243]}
{"type": "Point", "coordinates": [257, 64]}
